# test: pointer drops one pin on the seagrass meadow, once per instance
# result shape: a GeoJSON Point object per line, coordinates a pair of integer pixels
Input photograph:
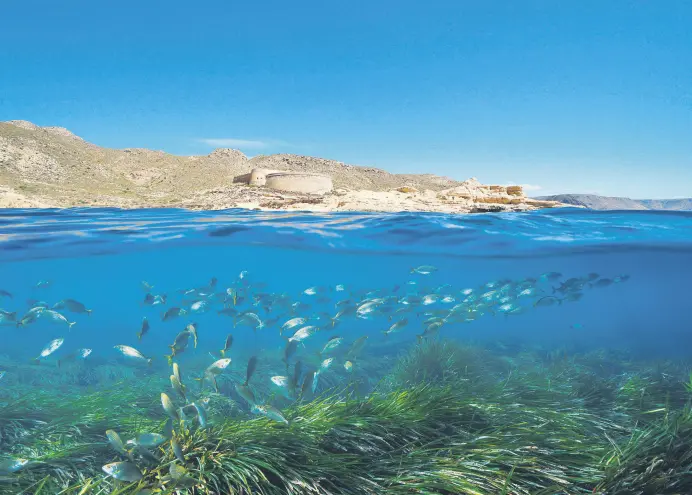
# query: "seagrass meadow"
{"type": "Point", "coordinates": [173, 352]}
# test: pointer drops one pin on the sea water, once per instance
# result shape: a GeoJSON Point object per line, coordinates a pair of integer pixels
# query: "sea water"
{"type": "Point", "coordinates": [101, 257]}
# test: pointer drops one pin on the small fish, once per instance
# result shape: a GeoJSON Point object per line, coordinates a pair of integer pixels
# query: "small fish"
{"type": "Point", "coordinates": [424, 270]}
{"type": "Point", "coordinates": [177, 450]}
{"type": "Point", "coordinates": [249, 319]}
{"type": "Point", "coordinates": [285, 386]}
{"type": "Point", "coordinates": [148, 440]}
{"type": "Point", "coordinates": [7, 317]}
{"type": "Point", "coordinates": [168, 407]}
{"type": "Point", "coordinates": [551, 276]}
{"type": "Point", "coordinates": [576, 326]}
{"type": "Point", "coordinates": [192, 328]}
{"type": "Point", "coordinates": [308, 380]}
{"type": "Point", "coordinates": [4, 293]}
{"type": "Point", "coordinates": [229, 311]}
{"type": "Point", "coordinates": [144, 330]}
{"type": "Point", "coordinates": [270, 412]}
{"type": "Point", "coordinates": [357, 346]}
{"type": "Point", "coordinates": [2, 374]}
{"type": "Point", "coordinates": [251, 367]}
{"type": "Point", "coordinates": [324, 366]}
{"type": "Point", "coordinates": [303, 333]}
{"type": "Point", "coordinates": [178, 387]}
{"type": "Point", "coordinates": [218, 367]}
{"type": "Point", "coordinates": [133, 353]}
{"type": "Point", "coordinates": [396, 327]}
{"type": "Point", "coordinates": [176, 372]}
{"type": "Point", "coordinates": [123, 471]}
{"type": "Point", "coordinates": [12, 465]}
{"type": "Point", "coordinates": [146, 286]}
{"type": "Point", "coordinates": [227, 345]}
{"type": "Point", "coordinates": [172, 313]}
{"type": "Point", "coordinates": [348, 366]}
{"type": "Point", "coordinates": [310, 291]}
{"type": "Point", "coordinates": [246, 393]}
{"type": "Point", "coordinates": [72, 306]}
{"type": "Point", "coordinates": [430, 331]}
{"type": "Point", "coordinates": [76, 355]}
{"type": "Point", "coordinates": [56, 317]}
{"type": "Point", "coordinates": [332, 344]}
{"type": "Point", "coordinates": [50, 348]}
{"type": "Point", "coordinates": [199, 307]}
{"type": "Point", "coordinates": [43, 284]}
{"type": "Point", "coordinates": [290, 350]}
{"type": "Point", "coordinates": [116, 442]}
{"type": "Point", "coordinates": [339, 288]}
{"type": "Point", "coordinates": [547, 301]}
{"type": "Point", "coordinates": [201, 415]}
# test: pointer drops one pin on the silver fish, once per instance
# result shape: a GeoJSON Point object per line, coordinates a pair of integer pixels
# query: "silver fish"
{"type": "Point", "coordinates": [133, 353]}
{"type": "Point", "coordinates": [123, 471]}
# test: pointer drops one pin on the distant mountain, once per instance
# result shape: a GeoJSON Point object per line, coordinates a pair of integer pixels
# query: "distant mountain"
{"type": "Point", "coordinates": [595, 202]}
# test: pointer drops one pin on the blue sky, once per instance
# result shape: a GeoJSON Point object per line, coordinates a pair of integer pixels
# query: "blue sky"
{"type": "Point", "coordinates": [569, 96]}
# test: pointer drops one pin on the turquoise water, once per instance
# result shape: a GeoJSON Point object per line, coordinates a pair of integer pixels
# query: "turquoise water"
{"type": "Point", "coordinates": [628, 299]}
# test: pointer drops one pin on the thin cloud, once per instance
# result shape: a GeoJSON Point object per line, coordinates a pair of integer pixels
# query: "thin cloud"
{"type": "Point", "coordinates": [254, 144]}
{"type": "Point", "coordinates": [234, 143]}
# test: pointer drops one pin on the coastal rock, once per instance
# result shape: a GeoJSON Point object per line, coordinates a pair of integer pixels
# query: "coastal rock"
{"type": "Point", "coordinates": [51, 167]}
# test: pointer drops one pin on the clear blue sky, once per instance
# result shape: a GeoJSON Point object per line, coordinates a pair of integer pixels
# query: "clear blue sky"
{"type": "Point", "coordinates": [568, 96]}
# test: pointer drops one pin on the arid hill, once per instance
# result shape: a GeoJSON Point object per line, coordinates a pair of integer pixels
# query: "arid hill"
{"type": "Point", "coordinates": [51, 167]}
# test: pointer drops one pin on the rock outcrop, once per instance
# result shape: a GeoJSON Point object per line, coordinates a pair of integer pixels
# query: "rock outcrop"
{"type": "Point", "coordinates": [51, 167]}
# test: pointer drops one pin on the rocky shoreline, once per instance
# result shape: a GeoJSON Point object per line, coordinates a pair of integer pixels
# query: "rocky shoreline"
{"type": "Point", "coordinates": [49, 167]}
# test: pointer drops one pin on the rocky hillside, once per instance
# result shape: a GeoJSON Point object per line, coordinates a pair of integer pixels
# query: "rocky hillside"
{"type": "Point", "coordinates": [51, 167]}
{"type": "Point", "coordinates": [595, 202]}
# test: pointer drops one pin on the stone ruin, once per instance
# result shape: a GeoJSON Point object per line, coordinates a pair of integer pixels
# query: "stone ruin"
{"type": "Point", "coordinates": [283, 180]}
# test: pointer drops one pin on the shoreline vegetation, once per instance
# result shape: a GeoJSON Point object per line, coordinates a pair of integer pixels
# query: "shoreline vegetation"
{"type": "Point", "coordinates": [49, 167]}
{"type": "Point", "coordinates": [447, 418]}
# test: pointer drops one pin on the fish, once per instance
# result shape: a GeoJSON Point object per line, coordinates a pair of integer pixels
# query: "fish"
{"type": "Point", "coordinates": [133, 353]}
{"type": "Point", "coordinates": [249, 319]}
{"type": "Point", "coordinates": [303, 333]}
{"type": "Point", "coordinates": [72, 306]}
{"type": "Point", "coordinates": [4, 293]}
{"type": "Point", "coordinates": [178, 387]}
{"type": "Point", "coordinates": [285, 386]}
{"type": "Point", "coordinates": [547, 301]}
{"type": "Point", "coordinates": [339, 288]}
{"type": "Point", "coordinates": [177, 450]}
{"type": "Point", "coordinates": [76, 355]}
{"type": "Point", "coordinates": [357, 346]}
{"type": "Point", "coordinates": [49, 349]}
{"type": "Point", "coordinates": [199, 306]}
{"type": "Point", "coordinates": [217, 367]}
{"type": "Point", "coordinates": [396, 327]}
{"type": "Point", "coordinates": [144, 330]}
{"type": "Point", "coordinates": [146, 286]}
{"type": "Point", "coordinates": [116, 442]}
{"type": "Point", "coordinates": [7, 317]}
{"type": "Point", "coordinates": [43, 284]}
{"type": "Point", "coordinates": [270, 412]}
{"type": "Point", "coordinates": [168, 407]}
{"type": "Point", "coordinates": [56, 317]}
{"type": "Point", "coordinates": [2, 374]}
{"type": "Point", "coordinates": [332, 344]}
{"type": "Point", "coordinates": [148, 440]}
{"type": "Point", "coordinates": [324, 366]}
{"type": "Point", "coordinates": [228, 343]}
{"type": "Point", "coordinates": [246, 393]}
{"type": "Point", "coordinates": [176, 372]}
{"type": "Point", "coordinates": [201, 415]}
{"type": "Point", "coordinates": [228, 311]}
{"type": "Point", "coordinates": [430, 331]}
{"type": "Point", "coordinates": [251, 367]}
{"type": "Point", "coordinates": [192, 328]}
{"type": "Point", "coordinates": [348, 366]}
{"type": "Point", "coordinates": [290, 350]}
{"type": "Point", "coordinates": [123, 471]}
{"type": "Point", "coordinates": [551, 276]}
{"type": "Point", "coordinates": [424, 270]}
{"type": "Point", "coordinates": [172, 313]}
{"type": "Point", "coordinates": [307, 383]}
{"type": "Point", "coordinates": [12, 465]}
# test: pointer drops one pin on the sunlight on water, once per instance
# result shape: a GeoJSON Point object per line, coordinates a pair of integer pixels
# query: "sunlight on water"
{"type": "Point", "coordinates": [458, 354]}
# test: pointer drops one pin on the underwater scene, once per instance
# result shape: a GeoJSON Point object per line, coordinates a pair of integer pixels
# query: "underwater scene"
{"type": "Point", "coordinates": [248, 352]}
